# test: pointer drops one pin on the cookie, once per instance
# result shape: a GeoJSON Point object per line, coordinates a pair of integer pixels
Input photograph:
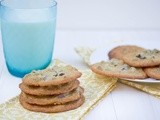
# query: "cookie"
{"type": "Point", "coordinates": [119, 51]}
{"type": "Point", "coordinates": [146, 58]}
{"type": "Point", "coordinates": [52, 108]}
{"type": "Point", "coordinates": [53, 76]}
{"type": "Point", "coordinates": [117, 68]}
{"type": "Point", "coordinates": [54, 99]}
{"type": "Point", "coordinates": [153, 72]}
{"type": "Point", "coordinates": [49, 90]}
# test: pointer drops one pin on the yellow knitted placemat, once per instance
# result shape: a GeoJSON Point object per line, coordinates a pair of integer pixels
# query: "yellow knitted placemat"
{"type": "Point", "coordinates": [96, 88]}
{"type": "Point", "coordinates": [151, 88]}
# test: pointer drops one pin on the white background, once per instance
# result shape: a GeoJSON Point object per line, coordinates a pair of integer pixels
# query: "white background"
{"type": "Point", "coordinates": [109, 14]}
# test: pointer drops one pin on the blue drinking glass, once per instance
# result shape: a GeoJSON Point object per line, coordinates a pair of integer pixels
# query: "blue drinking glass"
{"type": "Point", "coordinates": [28, 33]}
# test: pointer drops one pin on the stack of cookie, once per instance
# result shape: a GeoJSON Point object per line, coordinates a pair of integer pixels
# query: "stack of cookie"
{"type": "Point", "coordinates": [130, 61]}
{"type": "Point", "coordinates": [52, 90]}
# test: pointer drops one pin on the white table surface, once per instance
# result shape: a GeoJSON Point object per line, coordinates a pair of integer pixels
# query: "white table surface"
{"type": "Point", "coordinates": [123, 103]}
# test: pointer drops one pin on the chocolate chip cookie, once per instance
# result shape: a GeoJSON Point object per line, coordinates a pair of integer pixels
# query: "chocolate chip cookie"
{"type": "Point", "coordinates": [120, 51]}
{"type": "Point", "coordinates": [49, 90]}
{"type": "Point", "coordinates": [53, 99]}
{"type": "Point", "coordinates": [53, 76]}
{"type": "Point", "coordinates": [146, 58]}
{"type": "Point", "coordinates": [153, 72]}
{"type": "Point", "coordinates": [117, 68]}
{"type": "Point", "coordinates": [52, 108]}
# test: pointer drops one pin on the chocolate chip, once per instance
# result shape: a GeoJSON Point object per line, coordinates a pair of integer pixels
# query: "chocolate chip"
{"type": "Point", "coordinates": [123, 69]}
{"type": "Point", "coordinates": [55, 75]}
{"type": "Point", "coordinates": [61, 74]}
{"type": "Point", "coordinates": [140, 56]}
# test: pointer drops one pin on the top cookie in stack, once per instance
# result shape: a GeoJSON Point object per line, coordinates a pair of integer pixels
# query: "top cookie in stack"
{"type": "Point", "coordinates": [52, 90]}
{"type": "Point", "coordinates": [143, 61]}
{"type": "Point", "coordinates": [53, 76]}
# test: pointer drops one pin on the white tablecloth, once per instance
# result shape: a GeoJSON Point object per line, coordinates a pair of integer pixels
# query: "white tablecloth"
{"type": "Point", "coordinates": [124, 103]}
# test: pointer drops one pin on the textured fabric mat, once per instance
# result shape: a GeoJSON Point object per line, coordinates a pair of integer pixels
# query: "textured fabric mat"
{"type": "Point", "coordinates": [96, 88]}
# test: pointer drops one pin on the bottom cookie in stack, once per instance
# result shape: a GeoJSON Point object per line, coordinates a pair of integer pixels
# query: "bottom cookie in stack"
{"type": "Point", "coordinates": [64, 96]}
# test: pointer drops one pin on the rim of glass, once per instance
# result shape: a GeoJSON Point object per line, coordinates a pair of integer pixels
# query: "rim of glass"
{"type": "Point", "coordinates": [53, 4]}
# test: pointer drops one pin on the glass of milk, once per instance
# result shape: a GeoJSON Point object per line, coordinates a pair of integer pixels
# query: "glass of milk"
{"type": "Point", "coordinates": [28, 33]}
